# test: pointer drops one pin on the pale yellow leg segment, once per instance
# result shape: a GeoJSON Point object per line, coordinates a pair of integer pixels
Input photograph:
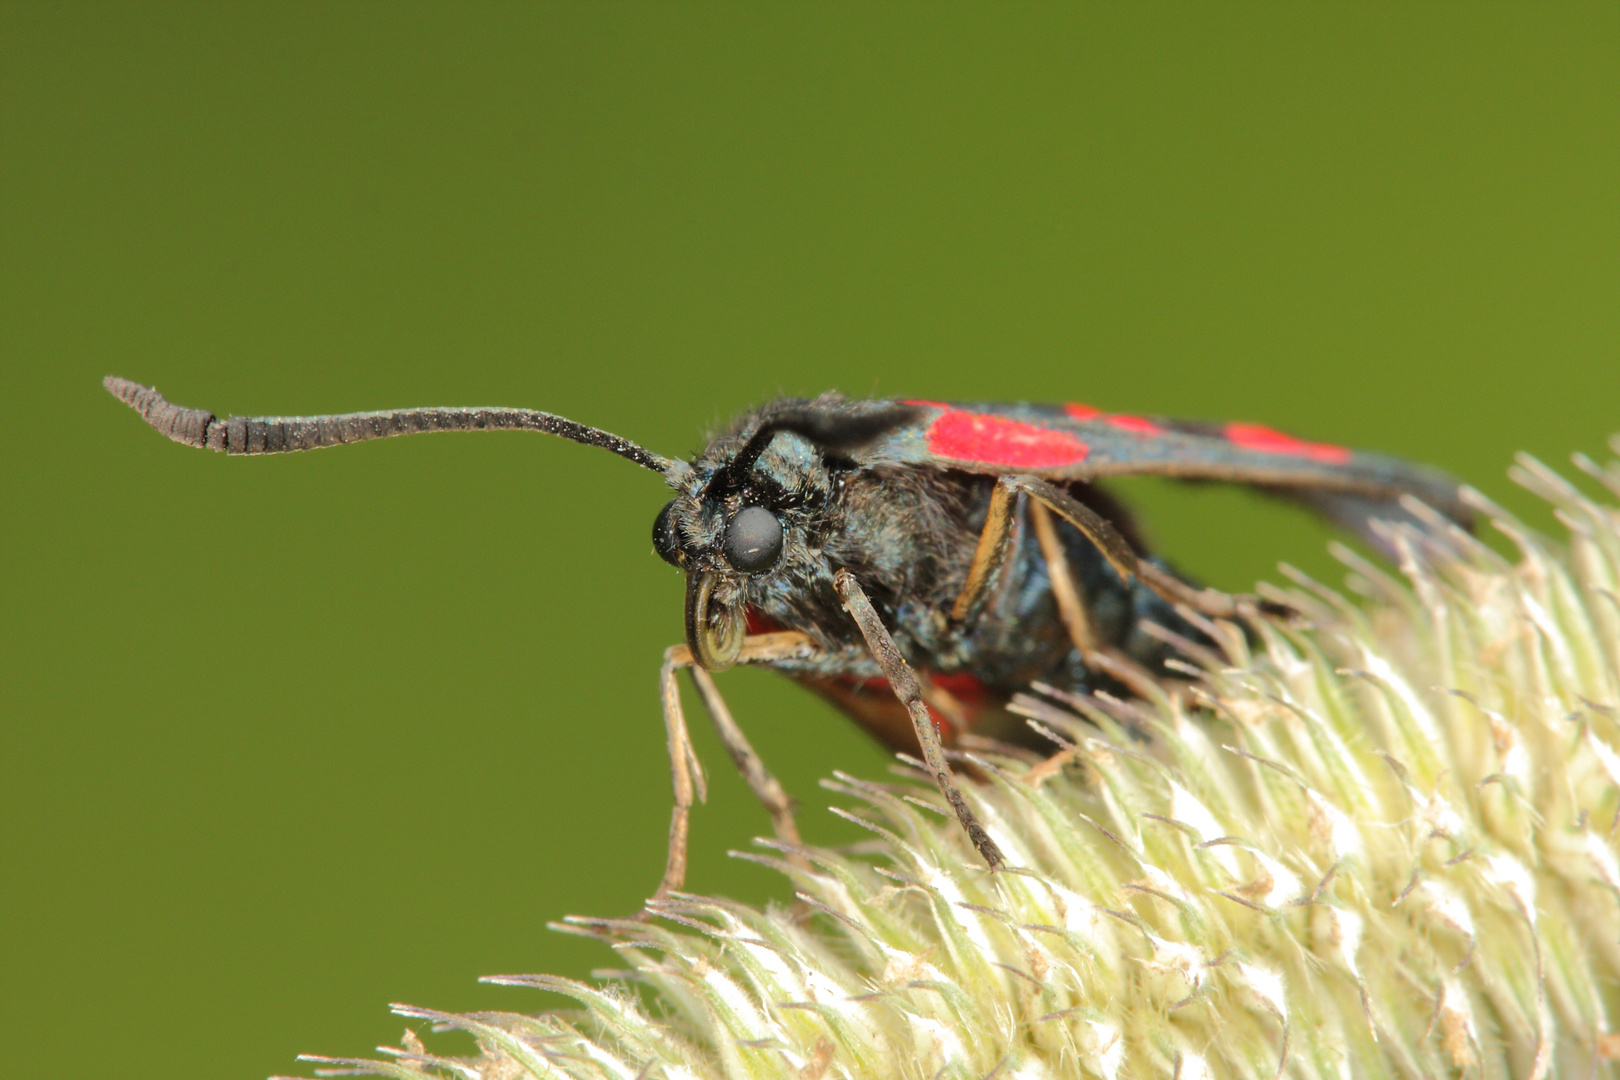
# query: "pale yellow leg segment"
{"type": "Point", "coordinates": [685, 772]}
{"type": "Point", "coordinates": [1071, 604]}
{"type": "Point", "coordinates": [681, 759]}
{"type": "Point", "coordinates": [990, 551]}
{"type": "Point", "coordinates": [765, 787]}
{"type": "Point", "coordinates": [1095, 527]}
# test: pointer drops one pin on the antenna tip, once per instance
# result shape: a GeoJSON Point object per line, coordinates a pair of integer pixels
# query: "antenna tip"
{"type": "Point", "coordinates": [189, 426]}
{"type": "Point", "coordinates": [123, 389]}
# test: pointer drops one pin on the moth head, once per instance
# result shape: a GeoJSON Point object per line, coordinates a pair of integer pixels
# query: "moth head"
{"type": "Point", "coordinates": [736, 542]}
{"type": "Point", "coordinates": [749, 523]}
{"type": "Point", "coordinates": [750, 541]}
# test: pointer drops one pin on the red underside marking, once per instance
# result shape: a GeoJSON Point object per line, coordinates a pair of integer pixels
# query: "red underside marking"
{"type": "Point", "coordinates": [992, 440]}
{"type": "Point", "coordinates": [1269, 441]}
{"type": "Point", "coordinates": [1136, 425]}
{"type": "Point", "coordinates": [762, 624]}
{"type": "Point", "coordinates": [1078, 411]}
{"type": "Point", "coordinates": [962, 686]}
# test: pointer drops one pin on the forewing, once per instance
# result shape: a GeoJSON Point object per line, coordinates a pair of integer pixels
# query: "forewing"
{"type": "Point", "coordinates": [1077, 442]}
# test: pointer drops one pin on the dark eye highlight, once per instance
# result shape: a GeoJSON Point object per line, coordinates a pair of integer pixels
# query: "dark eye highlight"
{"type": "Point", "coordinates": [665, 542]}
{"type": "Point", "coordinates": [753, 539]}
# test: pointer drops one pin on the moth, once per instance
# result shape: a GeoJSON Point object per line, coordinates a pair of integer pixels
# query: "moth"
{"type": "Point", "coordinates": [915, 562]}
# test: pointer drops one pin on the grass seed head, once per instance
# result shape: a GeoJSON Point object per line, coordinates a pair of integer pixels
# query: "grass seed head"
{"type": "Point", "coordinates": [1380, 842]}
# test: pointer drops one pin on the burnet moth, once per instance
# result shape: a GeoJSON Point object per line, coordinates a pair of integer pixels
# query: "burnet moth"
{"type": "Point", "coordinates": [916, 563]}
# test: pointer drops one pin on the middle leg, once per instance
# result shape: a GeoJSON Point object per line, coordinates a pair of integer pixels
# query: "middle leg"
{"type": "Point", "coordinates": [903, 681]}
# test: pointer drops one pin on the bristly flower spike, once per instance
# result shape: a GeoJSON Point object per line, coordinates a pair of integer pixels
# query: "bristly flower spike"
{"type": "Point", "coordinates": [1378, 844]}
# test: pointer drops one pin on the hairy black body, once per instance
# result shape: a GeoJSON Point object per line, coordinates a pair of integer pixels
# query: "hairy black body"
{"type": "Point", "coordinates": [908, 534]}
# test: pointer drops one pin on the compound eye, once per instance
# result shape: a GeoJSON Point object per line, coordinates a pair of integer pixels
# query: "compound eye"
{"type": "Point", "coordinates": [753, 539]}
{"type": "Point", "coordinates": [665, 540]}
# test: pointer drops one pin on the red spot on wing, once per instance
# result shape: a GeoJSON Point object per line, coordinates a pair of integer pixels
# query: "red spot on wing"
{"type": "Point", "coordinates": [1136, 425]}
{"type": "Point", "coordinates": [995, 440]}
{"type": "Point", "coordinates": [1269, 441]}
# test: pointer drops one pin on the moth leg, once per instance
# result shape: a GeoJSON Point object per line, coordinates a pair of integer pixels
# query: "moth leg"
{"type": "Point", "coordinates": [1071, 602]}
{"type": "Point", "coordinates": [904, 683]}
{"type": "Point", "coordinates": [1094, 527]}
{"type": "Point", "coordinates": [687, 774]}
{"type": "Point", "coordinates": [766, 788]}
{"type": "Point", "coordinates": [990, 554]}
{"type": "Point", "coordinates": [990, 551]}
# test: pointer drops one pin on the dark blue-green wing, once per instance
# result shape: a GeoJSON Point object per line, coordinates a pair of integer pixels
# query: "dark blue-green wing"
{"type": "Point", "coordinates": [1076, 442]}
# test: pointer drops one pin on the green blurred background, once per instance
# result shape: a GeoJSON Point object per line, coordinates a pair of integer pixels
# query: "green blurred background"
{"type": "Point", "coordinates": [286, 739]}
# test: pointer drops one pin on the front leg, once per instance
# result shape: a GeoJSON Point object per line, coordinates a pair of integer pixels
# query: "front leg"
{"type": "Point", "coordinates": [685, 772]}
